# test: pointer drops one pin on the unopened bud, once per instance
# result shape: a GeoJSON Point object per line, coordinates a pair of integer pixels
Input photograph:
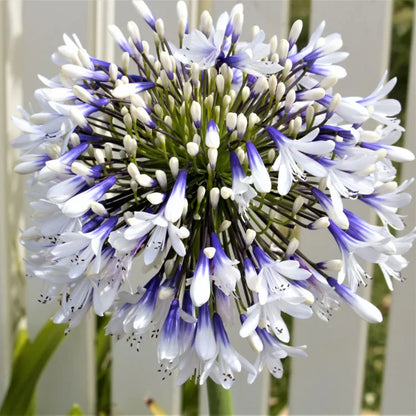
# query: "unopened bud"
{"type": "Point", "coordinates": [196, 113]}
{"type": "Point", "coordinates": [310, 114]}
{"type": "Point", "coordinates": [280, 91]}
{"type": "Point", "coordinates": [292, 246]}
{"type": "Point", "coordinates": [245, 94]}
{"type": "Point", "coordinates": [231, 121]}
{"type": "Point", "coordinates": [319, 224]}
{"type": "Point", "coordinates": [200, 193]}
{"type": "Point", "coordinates": [225, 225]}
{"type": "Point", "coordinates": [290, 99]}
{"type": "Point", "coordinates": [99, 156]}
{"type": "Point", "coordinates": [283, 49]}
{"type": "Point", "coordinates": [145, 180]}
{"type": "Point", "coordinates": [253, 119]}
{"type": "Point", "coordinates": [295, 31]}
{"type": "Point", "coordinates": [160, 28]}
{"type": "Point", "coordinates": [273, 44]}
{"type": "Point", "coordinates": [241, 125]}
{"type": "Point", "coordinates": [219, 82]}
{"type": "Point", "coordinates": [192, 148]}
{"type": "Point", "coordinates": [226, 192]}
{"type": "Point", "coordinates": [332, 265]}
{"type": "Point", "coordinates": [250, 236]}
{"type": "Point", "coordinates": [133, 170]}
{"type": "Point", "coordinates": [336, 99]}
{"type": "Point", "coordinates": [328, 82]}
{"type": "Point", "coordinates": [212, 157]}
{"type": "Point", "coordinates": [209, 252]}
{"type": "Point", "coordinates": [99, 209]}
{"type": "Point", "coordinates": [174, 166]}
{"type": "Point", "coordinates": [156, 198]}
{"type": "Point", "coordinates": [214, 197]}
{"type": "Point", "coordinates": [161, 179]}
{"type": "Point", "coordinates": [271, 155]}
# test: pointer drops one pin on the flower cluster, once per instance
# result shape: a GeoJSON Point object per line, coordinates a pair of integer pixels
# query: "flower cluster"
{"type": "Point", "coordinates": [203, 166]}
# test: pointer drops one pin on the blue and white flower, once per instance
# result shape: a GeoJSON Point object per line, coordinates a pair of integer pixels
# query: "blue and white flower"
{"type": "Point", "coordinates": [200, 167]}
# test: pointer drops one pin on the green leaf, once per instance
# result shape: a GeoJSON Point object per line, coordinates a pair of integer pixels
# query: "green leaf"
{"type": "Point", "coordinates": [22, 339]}
{"type": "Point", "coordinates": [75, 411]}
{"type": "Point", "coordinates": [27, 369]}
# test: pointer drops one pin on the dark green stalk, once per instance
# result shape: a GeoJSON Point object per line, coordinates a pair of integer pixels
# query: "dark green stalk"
{"type": "Point", "coordinates": [219, 400]}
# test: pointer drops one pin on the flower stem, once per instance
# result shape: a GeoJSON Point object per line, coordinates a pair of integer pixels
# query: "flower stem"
{"type": "Point", "coordinates": [219, 400]}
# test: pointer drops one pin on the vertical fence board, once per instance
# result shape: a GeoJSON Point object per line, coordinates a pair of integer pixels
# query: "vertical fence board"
{"type": "Point", "coordinates": [10, 185]}
{"type": "Point", "coordinates": [330, 380]}
{"type": "Point", "coordinates": [101, 15]}
{"type": "Point", "coordinates": [70, 376]}
{"type": "Point", "coordinates": [400, 371]}
{"type": "Point", "coordinates": [271, 16]}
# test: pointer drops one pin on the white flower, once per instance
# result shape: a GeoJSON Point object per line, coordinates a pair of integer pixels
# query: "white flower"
{"type": "Point", "coordinates": [292, 160]}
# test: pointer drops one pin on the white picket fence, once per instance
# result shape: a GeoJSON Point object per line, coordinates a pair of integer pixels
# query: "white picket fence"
{"type": "Point", "coordinates": [330, 380]}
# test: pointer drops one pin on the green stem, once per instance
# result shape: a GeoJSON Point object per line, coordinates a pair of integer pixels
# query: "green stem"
{"type": "Point", "coordinates": [219, 400]}
{"type": "Point", "coordinates": [190, 398]}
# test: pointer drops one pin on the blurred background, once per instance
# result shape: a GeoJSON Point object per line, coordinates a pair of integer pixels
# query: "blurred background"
{"type": "Point", "coordinates": [352, 368]}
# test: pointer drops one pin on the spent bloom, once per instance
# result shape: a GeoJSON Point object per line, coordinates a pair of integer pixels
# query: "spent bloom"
{"type": "Point", "coordinates": [206, 164]}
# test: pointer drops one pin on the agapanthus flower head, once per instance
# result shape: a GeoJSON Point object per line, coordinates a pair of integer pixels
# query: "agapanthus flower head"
{"type": "Point", "coordinates": [203, 164]}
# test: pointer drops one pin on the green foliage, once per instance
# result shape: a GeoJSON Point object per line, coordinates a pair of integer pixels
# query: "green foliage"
{"type": "Point", "coordinates": [30, 358]}
{"type": "Point", "coordinates": [75, 411]}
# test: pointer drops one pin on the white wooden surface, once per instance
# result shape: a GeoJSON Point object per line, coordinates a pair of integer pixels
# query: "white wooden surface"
{"type": "Point", "coordinates": [11, 87]}
{"type": "Point", "coordinates": [330, 380]}
{"type": "Point", "coordinates": [399, 390]}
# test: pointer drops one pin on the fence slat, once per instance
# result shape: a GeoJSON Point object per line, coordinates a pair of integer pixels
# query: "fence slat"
{"type": "Point", "coordinates": [330, 380]}
{"type": "Point", "coordinates": [400, 368]}
{"type": "Point", "coordinates": [70, 376]}
{"type": "Point", "coordinates": [101, 15]}
{"type": "Point", "coordinates": [10, 185]}
{"type": "Point", "coordinates": [270, 16]}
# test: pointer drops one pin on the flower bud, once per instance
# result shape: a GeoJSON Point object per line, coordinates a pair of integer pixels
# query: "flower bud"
{"type": "Point", "coordinates": [212, 157]}
{"type": "Point", "coordinates": [231, 121]}
{"type": "Point", "coordinates": [241, 125]}
{"type": "Point", "coordinates": [219, 82]}
{"type": "Point", "coordinates": [160, 28]}
{"type": "Point", "coordinates": [250, 236]}
{"type": "Point", "coordinates": [283, 49]}
{"type": "Point", "coordinates": [319, 224]}
{"type": "Point", "coordinates": [156, 198]}
{"type": "Point", "coordinates": [196, 113]}
{"type": "Point", "coordinates": [224, 225]}
{"type": "Point", "coordinates": [174, 166]}
{"type": "Point", "coordinates": [245, 94]}
{"type": "Point", "coordinates": [226, 192]}
{"type": "Point", "coordinates": [214, 197]}
{"type": "Point", "coordinates": [209, 252]}
{"type": "Point", "coordinates": [192, 148]}
{"type": "Point", "coordinates": [292, 246]}
{"type": "Point", "coordinates": [200, 193]}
